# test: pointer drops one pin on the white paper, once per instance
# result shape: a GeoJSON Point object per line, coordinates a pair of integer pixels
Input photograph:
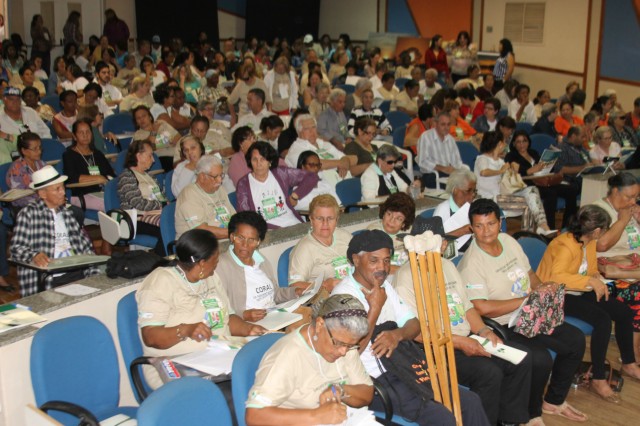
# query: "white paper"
{"type": "Point", "coordinates": [359, 417]}
{"type": "Point", "coordinates": [215, 360]}
{"type": "Point", "coordinates": [283, 89]}
{"type": "Point", "coordinates": [456, 221]}
{"type": "Point", "coordinates": [75, 290]}
{"type": "Point", "coordinates": [508, 353]}
{"type": "Point", "coordinates": [352, 79]}
{"type": "Point", "coordinates": [277, 320]}
{"type": "Point", "coordinates": [292, 305]}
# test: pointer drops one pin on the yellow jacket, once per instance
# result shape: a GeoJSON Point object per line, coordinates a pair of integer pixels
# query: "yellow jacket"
{"type": "Point", "coordinates": [562, 259]}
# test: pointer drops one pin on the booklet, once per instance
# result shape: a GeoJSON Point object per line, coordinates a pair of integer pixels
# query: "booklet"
{"type": "Point", "coordinates": [292, 305]}
{"type": "Point", "coordinates": [15, 194]}
{"type": "Point", "coordinates": [12, 317]}
{"type": "Point", "coordinates": [277, 320]}
{"type": "Point", "coordinates": [549, 158]}
{"type": "Point", "coordinates": [508, 353]}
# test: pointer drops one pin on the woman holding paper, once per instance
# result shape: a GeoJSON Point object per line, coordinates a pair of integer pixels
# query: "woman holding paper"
{"type": "Point", "coordinates": [180, 307]}
{"type": "Point", "coordinates": [528, 159]}
{"type": "Point", "coordinates": [246, 275]}
{"type": "Point", "coordinates": [311, 375]}
{"type": "Point", "coordinates": [571, 259]}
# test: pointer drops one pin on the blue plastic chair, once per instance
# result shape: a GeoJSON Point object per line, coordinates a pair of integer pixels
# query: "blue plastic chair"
{"type": "Point", "coordinates": [398, 118]}
{"type": "Point", "coordinates": [384, 106]}
{"type": "Point", "coordinates": [233, 199]}
{"type": "Point", "coordinates": [53, 101]}
{"type": "Point", "coordinates": [468, 153]}
{"type": "Point", "coordinates": [585, 327]}
{"type": "Point", "coordinates": [119, 123]}
{"type": "Point", "coordinates": [427, 213]}
{"type": "Point", "coordinates": [540, 142]}
{"type": "Point", "coordinates": [400, 82]}
{"type": "Point", "coordinates": [187, 401]}
{"type": "Point", "coordinates": [52, 149]}
{"type": "Point", "coordinates": [398, 135]}
{"type": "Point", "coordinates": [534, 249]}
{"type": "Point", "coordinates": [168, 178]}
{"type": "Point", "coordinates": [348, 88]}
{"type": "Point", "coordinates": [350, 193]}
{"type": "Point", "coordinates": [244, 368]}
{"type": "Point", "coordinates": [7, 217]}
{"type": "Point", "coordinates": [527, 127]}
{"type": "Point", "coordinates": [283, 267]}
{"type": "Point", "coordinates": [74, 360]}
{"type": "Point", "coordinates": [168, 227]}
{"type": "Point", "coordinates": [129, 338]}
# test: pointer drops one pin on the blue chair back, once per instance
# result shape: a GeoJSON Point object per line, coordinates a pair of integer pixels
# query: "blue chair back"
{"type": "Point", "coordinates": [283, 267]}
{"type": "Point", "coordinates": [534, 249]}
{"type": "Point", "coordinates": [233, 199]}
{"type": "Point", "coordinates": [7, 218]}
{"type": "Point", "coordinates": [468, 153]}
{"type": "Point", "coordinates": [53, 101]}
{"type": "Point", "coordinates": [540, 142]}
{"type": "Point", "coordinates": [118, 123]}
{"type": "Point", "coordinates": [348, 88]}
{"type": "Point", "coordinates": [244, 368]}
{"type": "Point", "coordinates": [384, 106]}
{"type": "Point", "coordinates": [527, 127]}
{"type": "Point", "coordinates": [585, 327]}
{"type": "Point", "coordinates": [398, 135]}
{"type": "Point", "coordinates": [111, 198]}
{"type": "Point", "coordinates": [398, 118]}
{"type": "Point", "coordinates": [52, 149]}
{"type": "Point", "coordinates": [168, 178]}
{"type": "Point", "coordinates": [74, 360]}
{"type": "Point", "coordinates": [130, 345]}
{"type": "Point", "coordinates": [427, 213]}
{"type": "Point", "coordinates": [350, 193]}
{"type": "Point", "coordinates": [168, 226]}
{"type": "Point", "coordinates": [188, 401]}
{"type": "Point", "coordinates": [400, 82]}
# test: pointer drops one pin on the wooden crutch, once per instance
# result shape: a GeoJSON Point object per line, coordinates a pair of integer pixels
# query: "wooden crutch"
{"type": "Point", "coordinates": [433, 314]}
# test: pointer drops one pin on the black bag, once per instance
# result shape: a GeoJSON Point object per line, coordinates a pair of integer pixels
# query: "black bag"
{"type": "Point", "coordinates": [133, 264]}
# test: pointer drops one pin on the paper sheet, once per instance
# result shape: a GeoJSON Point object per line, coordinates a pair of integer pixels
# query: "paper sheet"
{"type": "Point", "coordinates": [75, 290]}
{"type": "Point", "coordinates": [283, 89]}
{"type": "Point", "coordinates": [215, 360]}
{"type": "Point", "coordinates": [359, 417]}
{"type": "Point", "coordinates": [352, 79]}
{"type": "Point", "coordinates": [508, 353]}
{"type": "Point", "coordinates": [277, 320]}
{"type": "Point", "coordinates": [456, 221]}
{"type": "Point", "coordinates": [292, 305]}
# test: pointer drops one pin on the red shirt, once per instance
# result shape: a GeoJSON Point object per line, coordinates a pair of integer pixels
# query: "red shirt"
{"type": "Point", "coordinates": [477, 112]}
{"type": "Point", "coordinates": [437, 61]}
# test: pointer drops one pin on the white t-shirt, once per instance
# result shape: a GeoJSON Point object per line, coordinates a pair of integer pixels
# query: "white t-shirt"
{"type": "Point", "coordinates": [321, 188]}
{"type": "Point", "coordinates": [158, 109]}
{"type": "Point", "coordinates": [260, 289]}
{"type": "Point", "coordinates": [62, 243]}
{"type": "Point", "coordinates": [79, 84]}
{"type": "Point", "coordinates": [488, 186]}
{"type": "Point", "coordinates": [270, 201]}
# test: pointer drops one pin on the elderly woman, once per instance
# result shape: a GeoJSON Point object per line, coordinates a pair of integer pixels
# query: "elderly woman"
{"type": "Point", "coordinates": [258, 289]}
{"type": "Point", "coordinates": [332, 123]}
{"type": "Point", "coordinates": [138, 190]}
{"type": "Point", "coordinates": [365, 130]}
{"type": "Point", "coordinates": [160, 134]}
{"type": "Point", "coordinates": [489, 168]}
{"type": "Point", "coordinates": [296, 385]}
{"type": "Point", "coordinates": [383, 127]}
{"type": "Point", "coordinates": [324, 249]}
{"type": "Point", "coordinates": [139, 95]}
{"type": "Point", "coordinates": [282, 87]}
{"type": "Point", "coordinates": [182, 306]}
{"type": "Point", "coordinates": [621, 133]}
{"type": "Point", "coordinates": [191, 150]}
{"type": "Point", "coordinates": [571, 260]}
{"type": "Point", "coordinates": [381, 179]}
{"type": "Point", "coordinates": [605, 147]}
{"type": "Point", "coordinates": [247, 80]}
{"type": "Point", "coordinates": [566, 119]}
{"type": "Point", "coordinates": [460, 129]}
{"type": "Point", "coordinates": [320, 103]}
{"type": "Point", "coordinates": [269, 189]}
{"type": "Point", "coordinates": [461, 187]}
{"type": "Point", "coordinates": [528, 160]}
{"type": "Point", "coordinates": [19, 174]}
{"type": "Point", "coordinates": [489, 118]}
{"type": "Point", "coordinates": [397, 214]}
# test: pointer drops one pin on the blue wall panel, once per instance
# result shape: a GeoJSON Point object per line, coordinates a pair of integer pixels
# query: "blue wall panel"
{"type": "Point", "coordinates": [620, 41]}
{"type": "Point", "coordinates": [399, 18]}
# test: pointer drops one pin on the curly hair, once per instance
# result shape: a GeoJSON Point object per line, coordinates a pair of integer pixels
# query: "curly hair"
{"type": "Point", "coordinates": [400, 203]}
{"type": "Point", "coordinates": [250, 218]}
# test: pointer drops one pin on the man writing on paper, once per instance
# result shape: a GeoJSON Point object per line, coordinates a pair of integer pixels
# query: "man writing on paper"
{"type": "Point", "coordinates": [370, 254]}
{"type": "Point", "coordinates": [46, 229]}
{"type": "Point", "coordinates": [502, 386]}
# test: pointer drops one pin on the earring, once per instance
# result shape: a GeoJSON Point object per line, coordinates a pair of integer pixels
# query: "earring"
{"type": "Point", "coordinates": [315, 337]}
{"type": "Point", "coordinates": [201, 275]}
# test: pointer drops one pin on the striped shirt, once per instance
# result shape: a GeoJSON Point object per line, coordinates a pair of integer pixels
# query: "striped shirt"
{"type": "Point", "coordinates": [375, 114]}
{"type": "Point", "coordinates": [500, 68]}
{"type": "Point", "coordinates": [433, 151]}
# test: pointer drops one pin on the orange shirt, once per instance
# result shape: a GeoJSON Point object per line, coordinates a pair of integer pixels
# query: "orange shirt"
{"type": "Point", "coordinates": [415, 122]}
{"type": "Point", "coordinates": [464, 127]}
{"type": "Point", "coordinates": [562, 126]}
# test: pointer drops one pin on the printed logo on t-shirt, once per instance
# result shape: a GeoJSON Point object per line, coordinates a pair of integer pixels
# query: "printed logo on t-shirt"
{"type": "Point", "coordinates": [520, 280]}
{"type": "Point", "coordinates": [633, 236]}
{"type": "Point", "coordinates": [456, 310]}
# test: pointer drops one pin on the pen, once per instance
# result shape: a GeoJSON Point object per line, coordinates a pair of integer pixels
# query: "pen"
{"type": "Point", "coordinates": [335, 394]}
{"type": "Point", "coordinates": [17, 305]}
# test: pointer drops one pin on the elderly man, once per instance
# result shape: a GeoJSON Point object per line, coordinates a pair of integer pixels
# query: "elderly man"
{"type": "Point", "coordinates": [256, 111]}
{"type": "Point", "coordinates": [332, 123]}
{"type": "Point", "coordinates": [438, 152]}
{"type": "Point", "coordinates": [15, 120]}
{"type": "Point", "coordinates": [335, 165]}
{"type": "Point", "coordinates": [461, 187]}
{"type": "Point", "coordinates": [204, 204]}
{"type": "Point", "coordinates": [502, 386]}
{"type": "Point", "coordinates": [573, 158]}
{"type": "Point", "coordinates": [429, 86]}
{"type": "Point", "coordinates": [46, 229]}
{"type": "Point", "coordinates": [408, 100]}
{"type": "Point", "coordinates": [368, 110]}
{"type": "Point", "coordinates": [370, 254]}
{"type": "Point", "coordinates": [212, 91]}
{"type": "Point", "coordinates": [110, 93]}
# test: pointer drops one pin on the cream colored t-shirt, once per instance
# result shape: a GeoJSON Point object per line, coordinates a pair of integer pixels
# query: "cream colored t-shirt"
{"type": "Point", "coordinates": [310, 258]}
{"type": "Point", "coordinates": [629, 241]}
{"type": "Point", "coordinates": [400, 255]}
{"type": "Point", "coordinates": [292, 375]}
{"type": "Point", "coordinates": [195, 207]}
{"type": "Point", "coordinates": [164, 136]}
{"type": "Point", "coordinates": [403, 100]}
{"type": "Point", "coordinates": [457, 300]}
{"type": "Point", "coordinates": [502, 277]}
{"type": "Point", "coordinates": [240, 92]}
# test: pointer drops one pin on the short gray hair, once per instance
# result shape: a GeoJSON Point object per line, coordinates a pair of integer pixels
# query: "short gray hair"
{"type": "Point", "coordinates": [459, 178]}
{"type": "Point", "coordinates": [600, 131]}
{"type": "Point", "coordinates": [335, 93]}
{"type": "Point", "coordinates": [362, 84]}
{"type": "Point", "coordinates": [300, 119]}
{"type": "Point", "coordinates": [432, 72]}
{"type": "Point", "coordinates": [387, 150]}
{"type": "Point", "coordinates": [355, 324]}
{"type": "Point", "coordinates": [206, 162]}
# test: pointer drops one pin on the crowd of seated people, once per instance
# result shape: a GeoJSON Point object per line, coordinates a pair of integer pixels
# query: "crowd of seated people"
{"type": "Point", "coordinates": [235, 120]}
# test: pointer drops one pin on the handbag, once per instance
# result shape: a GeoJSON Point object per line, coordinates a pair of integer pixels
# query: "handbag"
{"type": "Point", "coordinates": [547, 181]}
{"type": "Point", "coordinates": [511, 182]}
{"type": "Point", "coordinates": [134, 263]}
{"type": "Point", "coordinates": [541, 312]}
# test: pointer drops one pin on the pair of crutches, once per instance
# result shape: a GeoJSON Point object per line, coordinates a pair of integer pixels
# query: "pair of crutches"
{"type": "Point", "coordinates": [433, 314]}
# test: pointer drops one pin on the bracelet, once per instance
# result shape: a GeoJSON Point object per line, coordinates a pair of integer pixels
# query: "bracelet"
{"type": "Point", "coordinates": [295, 198]}
{"type": "Point", "coordinates": [486, 327]}
{"type": "Point", "coordinates": [179, 335]}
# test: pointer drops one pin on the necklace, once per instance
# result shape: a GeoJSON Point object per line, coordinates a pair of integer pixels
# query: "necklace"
{"type": "Point", "coordinates": [318, 359]}
{"type": "Point", "coordinates": [203, 288]}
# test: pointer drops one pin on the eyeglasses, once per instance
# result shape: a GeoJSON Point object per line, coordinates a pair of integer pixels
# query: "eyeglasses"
{"type": "Point", "coordinates": [324, 219]}
{"type": "Point", "coordinates": [339, 344]}
{"type": "Point", "coordinates": [245, 240]}
{"type": "Point", "coordinates": [390, 162]}
{"type": "Point", "coordinates": [399, 218]}
{"type": "Point", "coordinates": [314, 165]}
{"type": "Point", "coordinates": [470, 191]}
{"type": "Point", "coordinates": [214, 177]}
